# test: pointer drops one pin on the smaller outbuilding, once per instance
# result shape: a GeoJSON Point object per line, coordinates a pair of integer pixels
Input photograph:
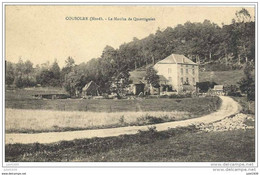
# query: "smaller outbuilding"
{"type": "Point", "coordinates": [90, 89]}
{"type": "Point", "coordinates": [218, 90]}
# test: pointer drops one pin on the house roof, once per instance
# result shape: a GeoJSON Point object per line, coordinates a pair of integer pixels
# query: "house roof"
{"type": "Point", "coordinates": [85, 88]}
{"type": "Point", "coordinates": [137, 77]}
{"type": "Point", "coordinates": [176, 59]}
{"type": "Point", "coordinates": [218, 87]}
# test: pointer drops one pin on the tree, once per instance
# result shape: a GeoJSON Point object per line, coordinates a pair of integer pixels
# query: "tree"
{"type": "Point", "coordinates": [27, 67]}
{"type": "Point", "coordinates": [70, 62]}
{"type": "Point", "coordinates": [243, 35]}
{"type": "Point", "coordinates": [56, 74]}
{"type": "Point", "coordinates": [46, 78]}
{"type": "Point", "coordinates": [120, 82]}
{"type": "Point", "coordinates": [243, 15]}
{"type": "Point", "coordinates": [24, 74]}
{"type": "Point", "coordinates": [152, 77]}
{"type": "Point", "coordinates": [18, 82]}
{"type": "Point", "coordinates": [9, 73]}
{"type": "Point", "coordinates": [74, 82]}
{"type": "Point", "coordinates": [247, 84]}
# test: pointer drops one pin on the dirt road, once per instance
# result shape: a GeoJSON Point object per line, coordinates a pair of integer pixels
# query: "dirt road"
{"type": "Point", "coordinates": [228, 107]}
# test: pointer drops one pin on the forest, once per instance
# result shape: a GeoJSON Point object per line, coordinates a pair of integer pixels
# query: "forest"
{"type": "Point", "coordinates": [211, 46]}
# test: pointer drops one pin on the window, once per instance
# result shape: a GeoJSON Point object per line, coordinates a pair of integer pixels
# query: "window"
{"type": "Point", "coordinates": [193, 71]}
{"type": "Point", "coordinates": [170, 79]}
{"type": "Point", "coordinates": [193, 80]}
{"type": "Point", "coordinates": [187, 81]}
{"type": "Point", "coordinates": [181, 71]}
{"type": "Point", "coordinates": [186, 65]}
{"type": "Point", "coordinates": [169, 70]}
{"type": "Point", "coordinates": [187, 71]}
{"type": "Point", "coordinates": [181, 80]}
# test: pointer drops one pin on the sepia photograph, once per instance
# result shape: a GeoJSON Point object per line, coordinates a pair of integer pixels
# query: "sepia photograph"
{"type": "Point", "coordinates": [130, 83]}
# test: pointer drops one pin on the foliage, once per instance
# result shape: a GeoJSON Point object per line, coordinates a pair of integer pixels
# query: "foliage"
{"type": "Point", "coordinates": [119, 83]}
{"type": "Point", "coordinates": [232, 90]}
{"type": "Point", "coordinates": [9, 73]}
{"type": "Point", "coordinates": [214, 47]}
{"type": "Point", "coordinates": [181, 95]}
{"type": "Point", "coordinates": [21, 74]}
{"type": "Point", "coordinates": [247, 84]}
{"type": "Point", "coordinates": [50, 76]}
{"type": "Point", "coordinates": [152, 77]}
{"type": "Point", "coordinates": [248, 107]}
{"type": "Point", "coordinates": [174, 145]}
{"type": "Point", "coordinates": [74, 82]}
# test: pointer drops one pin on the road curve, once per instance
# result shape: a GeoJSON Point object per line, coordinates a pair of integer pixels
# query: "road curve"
{"type": "Point", "coordinates": [228, 107]}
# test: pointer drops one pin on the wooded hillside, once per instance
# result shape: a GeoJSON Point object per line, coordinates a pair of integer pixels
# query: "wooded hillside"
{"type": "Point", "coordinates": [222, 48]}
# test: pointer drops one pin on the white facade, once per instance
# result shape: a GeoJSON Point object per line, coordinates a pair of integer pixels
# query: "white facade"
{"type": "Point", "coordinates": [180, 72]}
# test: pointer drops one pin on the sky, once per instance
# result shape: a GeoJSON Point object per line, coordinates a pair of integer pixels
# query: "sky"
{"type": "Point", "coordinates": [44, 33]}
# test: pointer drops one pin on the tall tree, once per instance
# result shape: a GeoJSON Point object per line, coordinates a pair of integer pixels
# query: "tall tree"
{"type": "Point", "coordinates": [55, 69]}
{"type": "Point", "coordinates": [9, 73]}
{"type": "Point", "coordinates": [69, 64]}
{"type": "Point", "coordinates": [247, 84]}
{"type": "Point", "coordinates": [152, 77]}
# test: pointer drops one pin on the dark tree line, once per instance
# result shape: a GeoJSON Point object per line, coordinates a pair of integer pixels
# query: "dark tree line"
{"type": "Point", "coordinates": [230, 46]}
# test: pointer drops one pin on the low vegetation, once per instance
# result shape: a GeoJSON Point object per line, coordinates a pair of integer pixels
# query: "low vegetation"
{"type": "Point", "coordinates": [248, 107]}
{"type": "Point", "coordinates": [203, 42]}
{"type": "Point", "coordinates": [231, 77]}
{"type": "Point", "coordinates": [124, 113]}
{"type": "Point", "coordinates": [28, 121]}
{"type": "Point", "coordinates": [21, 99]}
{"type": "Point", "coordinates": [174, 145]}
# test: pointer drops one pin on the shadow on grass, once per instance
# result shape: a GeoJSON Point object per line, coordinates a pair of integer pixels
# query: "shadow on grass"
{"type": "Point", "coordinates": [174, 145]}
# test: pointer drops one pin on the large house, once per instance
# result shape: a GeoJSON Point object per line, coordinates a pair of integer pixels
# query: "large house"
{"type": "Point", "coordinates": [182, 73]}
{"type": "Point", "coordinates": [176, 71]}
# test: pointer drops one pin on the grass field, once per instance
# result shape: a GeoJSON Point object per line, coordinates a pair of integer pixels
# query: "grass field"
{"type": "Point", "coordinates": [149, 111]}
{"type": "Point", "coordinates": [25, 114]}
{"type": "Point", "coordinates": [22, 99]}
{"type": "Point", "coordinates": [248, 107]}
{"type": "Point", "coordinates": [175, 145]}
{"type": "Point", "coordinates": [222, 77]}
{"type": "Point", "coordinates": [33, 121]}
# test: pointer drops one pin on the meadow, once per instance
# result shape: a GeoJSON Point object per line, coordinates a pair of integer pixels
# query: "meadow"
{"type": "Point", "coordinates": [231, 77]}
{"type": "Point", "coordinates": [174, 145]}
{"type": "Point", "coordinates": [25, 114]}
{"type": "Point", "coordinates": [22, 99]}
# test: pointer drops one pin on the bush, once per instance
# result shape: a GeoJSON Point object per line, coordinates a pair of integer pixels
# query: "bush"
{"type": "Point", "coordinates": [149, 120]}
{"type": "Point", "coordinates": [232, 90]}
{"type": "Point", "coordinates": [182, 95]}
{"type": "Point", "coordinates": [247, 84]}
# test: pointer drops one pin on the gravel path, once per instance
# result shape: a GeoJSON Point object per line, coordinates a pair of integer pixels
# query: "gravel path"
{"type": "Point", "coordinates": [230, 123]}
{"type": "Point", "coordinates": [228, 107]}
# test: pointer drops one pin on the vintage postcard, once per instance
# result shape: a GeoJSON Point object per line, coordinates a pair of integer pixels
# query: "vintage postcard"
{"type": "Point", "coordinates": [137, 83]}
